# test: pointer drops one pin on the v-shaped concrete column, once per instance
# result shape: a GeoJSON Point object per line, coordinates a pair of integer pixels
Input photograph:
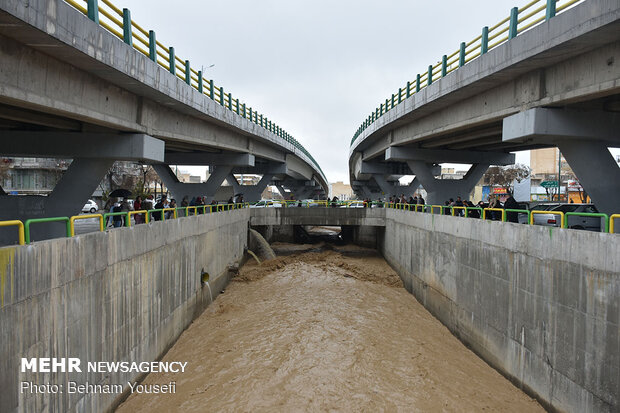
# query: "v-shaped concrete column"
{"type": "Point", "coordinates": [181, 189]}
{"type": "Point", "coordinates": [440, 190]}
{"type": "Point", "coordinates": [251, 193]}
{"type": "Point", "coordinates": [390, 189]}
{"type": "Point", "coordinates": [72, 191]}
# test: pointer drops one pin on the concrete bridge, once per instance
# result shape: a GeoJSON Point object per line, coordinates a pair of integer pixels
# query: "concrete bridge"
{"type": "Point", "coordinates": [554, 84]}
{"type": "Point", "coordinates": [540, 304]}
{"type": "Point", "coordinates": [543, 313]}
{"type": "Point", "coordinates": [70, 88]}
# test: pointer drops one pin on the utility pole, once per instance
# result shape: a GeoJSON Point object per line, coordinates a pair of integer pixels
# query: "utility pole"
{"type": "Point", "coordinates": [559, 171]}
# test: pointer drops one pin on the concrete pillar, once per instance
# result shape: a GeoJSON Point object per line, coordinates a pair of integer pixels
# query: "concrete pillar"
{"type": "Point", "coordinates": [252, 193]}
{"type": "Point", "coordinates": [596, 171]}
{"type": "Point", "coordinates": [390, 189]}
{"type": "Point", "coordinates": [440, 190]}
{"type": "Point", "coordinates": [233, 182]}
{"type": "Point", "coordinates": [180, 189]}
{"type": "Point", "coordinates": [71, 193]}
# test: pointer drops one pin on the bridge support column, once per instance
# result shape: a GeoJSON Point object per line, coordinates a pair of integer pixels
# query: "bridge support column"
{"type": "Point", "coordinates": [596, 170]}
{"type": "Point", "coordinates": [440, 190]}
{"type": "Point", "coordinates": [583, 138]}
{"type": "Point", "coordinates": [390, 189]}
{"type": "Point", "coordinates": [234, 183]}
{"type": "Point", "coordinates": [72, 191]}
{"type": "Point", "coordinates": [251, 193]}
{"type": "Point", "coordinates": [180, 189]}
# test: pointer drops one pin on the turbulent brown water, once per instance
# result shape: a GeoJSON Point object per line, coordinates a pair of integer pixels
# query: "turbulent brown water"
{"type": "Point", "coordinates": [322, 331]}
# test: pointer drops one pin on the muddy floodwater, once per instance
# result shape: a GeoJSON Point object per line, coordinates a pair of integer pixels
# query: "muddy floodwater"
{"type": "Point", "coordinates": [320, 331]}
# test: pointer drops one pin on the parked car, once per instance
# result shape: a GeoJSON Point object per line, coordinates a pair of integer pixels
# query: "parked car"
{"type": "Point", "coordinates": [575, 222]}
{"type": "Point", "coordinates": [90, 206]}
{"type": "Point", "coordinates": [267, 203]}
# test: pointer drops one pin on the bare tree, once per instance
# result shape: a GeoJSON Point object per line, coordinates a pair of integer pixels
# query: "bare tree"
{"type": "Point", "coordinates": [504, 176]}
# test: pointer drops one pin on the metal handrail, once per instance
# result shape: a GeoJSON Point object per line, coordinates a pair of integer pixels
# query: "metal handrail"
{"type": "Point", "coordinates": [119, 23]}
{"type": "Point", "coordinates": [89, 216]}
{"type": "Point", "coordinates": [520, 20]}
{"type": "Point", "coordinates": [20, 229]}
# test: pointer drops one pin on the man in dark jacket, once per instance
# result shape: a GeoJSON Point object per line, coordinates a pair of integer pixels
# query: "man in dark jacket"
{"type": "Point", "coordinates": [511, 203]}
{"type": "Point", "coordinates": [159, 205]}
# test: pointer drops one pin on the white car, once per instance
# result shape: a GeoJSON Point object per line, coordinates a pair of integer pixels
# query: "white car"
{"type": "Point", "coordinates": [267, 203]}
{"type": "Point", "coordinates": [90, 206]}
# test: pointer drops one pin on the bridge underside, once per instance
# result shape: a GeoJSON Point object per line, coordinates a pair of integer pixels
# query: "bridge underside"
{"type": "Point", "coordinates": [77, 96]}
{"type": "Point", "coordinates": [568, 65]}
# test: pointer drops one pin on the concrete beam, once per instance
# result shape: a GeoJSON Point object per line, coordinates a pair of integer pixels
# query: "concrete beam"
{"type": "Point", "coordinates": [397, 153]}
{"type": "Point", "coordinates": [127, 147]}
{"type": "Point", "coordinates": [384, 168]}
{"type": "Point", "coordinates": [298, 168]}
{"type": "Point", "coordinates": [542, 125]}
{"type": "Point", "coordinates": [210, 158]}
{"type": "Point", "coordinates": [261, 169]}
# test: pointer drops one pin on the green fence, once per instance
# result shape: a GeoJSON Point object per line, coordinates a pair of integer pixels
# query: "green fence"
{"type": "Point", "coordinates": [520, 20]}
{"type": "Point", "coordinates": [119, 22]}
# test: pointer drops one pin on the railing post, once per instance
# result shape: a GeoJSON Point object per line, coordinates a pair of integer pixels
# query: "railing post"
{"type": "Point", "coordinates": [400, 94]}
{"type": "Point", "coordinates": [417, 83]}
{"type": "Point", "coordinates": [188, 73]}
{"type": "Point", "coordinates": [237, 103]}
{"type": "Point", "coordinates": [173, 64]}
{"type": "Point", "coordinates": [200, 89]}
{"type": "Point", "coordinates": [408, 88]}
{"type": "Point", "coordinates": [550, 9]}
{"type": "Point", "coordinates": [230, 101]}
{"type": "Point", "coordinates": [250, 112]}
{"type": "Point", "coordinates": [444, 65]}
{"type": "Point", "coordinates": [484, 42]}
{"type": "Point", "coordinates": [221, 95]}
{"type": "Point", "coordinates": [514, 18]}
{"type": "Point", "coordinates": [393, 101]}
{"type": "Point", "coordinates": [381, 110]}
{"type": "Point", "coordinates": [93, 10]}
{"type": "Point", "coordinates": [261, 120]}
{"type": "Point", "coordinates": [462, 54]}
{"type": "Point", "coordinates": [430, 75]}
{"type": "Point", "coordinates": [211, 90]}
{"type": "Point", "coordinates": [152, 46]}
{"type": "Point", "coordinates": [244, 110]}
{"type": "Point", "coordinates": [127, 35]}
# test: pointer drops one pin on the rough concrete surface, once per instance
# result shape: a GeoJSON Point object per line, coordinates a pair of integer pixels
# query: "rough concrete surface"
{"type": "Point", "coordinates": [122, 295]}
{"type": "Point", "coordinates": [540, 304]}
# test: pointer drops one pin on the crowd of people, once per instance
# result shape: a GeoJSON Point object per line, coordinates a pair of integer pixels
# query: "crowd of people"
{"type": "Point", "coordinates": [458, 205]}
{"type": "Point", "coordinates": [122, 206]}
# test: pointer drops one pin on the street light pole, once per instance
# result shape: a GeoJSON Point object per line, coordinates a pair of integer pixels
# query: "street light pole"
{"type": "Point", "coordinates": [559, 171]}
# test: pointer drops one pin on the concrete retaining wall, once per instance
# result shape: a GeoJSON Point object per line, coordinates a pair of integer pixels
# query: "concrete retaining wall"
{"type": "Point", "coordinates": [541, 305]}
{"type": "Point", "coordinates": [123, 295]}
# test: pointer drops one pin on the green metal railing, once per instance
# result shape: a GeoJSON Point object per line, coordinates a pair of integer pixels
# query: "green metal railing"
{"type": "Point", "coordinates": [119, 22]}
{"type": "Point", "coordinates": [24, 228]}
{"type": "Point", "coordinates": [520, 20]}
{"type": "Point", "coordinates": [29, 222]}
{"type": "Point", "coordinates": [602, 216]}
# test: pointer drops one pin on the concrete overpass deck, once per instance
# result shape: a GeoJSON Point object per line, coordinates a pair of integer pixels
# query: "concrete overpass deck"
{"type": "Point", "coordinates": [70, 88]}
{"type": "Point", "coordinates": [565, 68]}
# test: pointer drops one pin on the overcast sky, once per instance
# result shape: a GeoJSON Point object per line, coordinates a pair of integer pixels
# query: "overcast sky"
{"type": "Point", "coordinates": [315, 67]}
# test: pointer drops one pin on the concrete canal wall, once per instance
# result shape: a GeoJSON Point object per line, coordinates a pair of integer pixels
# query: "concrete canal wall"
{"type": "Point", "coordinates": [541, 305]}
{"type": "Point", "coordinates": [122, 295]}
